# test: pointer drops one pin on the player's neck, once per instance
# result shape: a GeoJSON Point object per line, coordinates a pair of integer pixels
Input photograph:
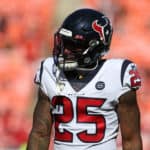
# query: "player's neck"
{"type": "Point", "coordinates": [83, 73]}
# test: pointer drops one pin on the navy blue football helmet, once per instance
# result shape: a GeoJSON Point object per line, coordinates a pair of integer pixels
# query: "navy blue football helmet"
{"type": "Point", "coordinates": [84, 37]}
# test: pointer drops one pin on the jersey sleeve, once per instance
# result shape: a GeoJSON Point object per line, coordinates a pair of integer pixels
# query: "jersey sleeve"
{"type": "Point", "coordinates": [40, 76]}
{"type": "Point", "coordinates": [130, 77]}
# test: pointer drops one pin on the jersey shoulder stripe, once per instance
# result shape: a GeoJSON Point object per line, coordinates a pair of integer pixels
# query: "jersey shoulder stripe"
{"type": "Point", "coordinates": [123, 69]}
{"type": "Point", "coordinates": [40, 74]}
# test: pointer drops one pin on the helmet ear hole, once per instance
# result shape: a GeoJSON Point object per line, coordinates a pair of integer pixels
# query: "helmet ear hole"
{"type": "Point", "coordinates": [87, 60]}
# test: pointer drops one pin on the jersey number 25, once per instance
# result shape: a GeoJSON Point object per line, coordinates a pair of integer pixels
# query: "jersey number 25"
{"type": "Point", "coordinates": [82, 116]}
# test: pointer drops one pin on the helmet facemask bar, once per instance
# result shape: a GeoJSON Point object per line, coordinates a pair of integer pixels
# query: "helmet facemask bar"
{"type": "Point", "coordinates": [57, 48]}
{"type": "Point", "coordinates": [60, 58]}
{"type": "Point", "coordinates": [84, 57]}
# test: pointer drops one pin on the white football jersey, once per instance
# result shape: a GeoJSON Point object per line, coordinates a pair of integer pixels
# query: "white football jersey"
{"type": "Point", "coordinates": [87, 119]}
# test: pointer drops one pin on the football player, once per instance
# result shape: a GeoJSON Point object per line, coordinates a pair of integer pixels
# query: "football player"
{"type": "Point", "coordinates": [83, 96]}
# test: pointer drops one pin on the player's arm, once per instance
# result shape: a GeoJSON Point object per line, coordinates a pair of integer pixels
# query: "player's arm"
{"type": "Point", "coordinates": [39, 137]}
{"type": "Point", "coordinates": [129, 117]}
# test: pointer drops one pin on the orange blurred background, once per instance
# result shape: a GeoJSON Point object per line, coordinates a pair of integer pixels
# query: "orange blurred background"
{"type": "Point", "coordinates": [26, 37]}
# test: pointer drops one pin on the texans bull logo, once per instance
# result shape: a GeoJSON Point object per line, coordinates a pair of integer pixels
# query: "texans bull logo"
{"type": "Point", "coordinates": [100, 30]}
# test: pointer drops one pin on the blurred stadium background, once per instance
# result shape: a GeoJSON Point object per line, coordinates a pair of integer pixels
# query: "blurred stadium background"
{"type": "Point", "coordinates": [26, 37]}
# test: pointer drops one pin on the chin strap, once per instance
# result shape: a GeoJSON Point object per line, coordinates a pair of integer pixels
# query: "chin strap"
{"type": "Point", "coordinates": [88, 69]}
